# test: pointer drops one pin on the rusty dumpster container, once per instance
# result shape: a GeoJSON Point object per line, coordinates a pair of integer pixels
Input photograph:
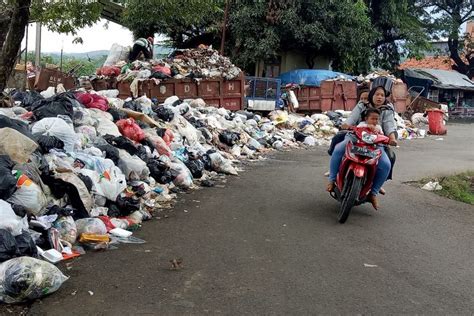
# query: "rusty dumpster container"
{"type": "Point", "coordinates": [51, 78]}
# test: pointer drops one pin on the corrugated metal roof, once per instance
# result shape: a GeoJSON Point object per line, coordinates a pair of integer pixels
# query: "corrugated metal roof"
{"type": "Point", "coordinates": [442, 78]}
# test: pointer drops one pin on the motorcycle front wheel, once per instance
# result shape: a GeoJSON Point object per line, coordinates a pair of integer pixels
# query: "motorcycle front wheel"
{"type": "Point", "coordinates": [352, 191]}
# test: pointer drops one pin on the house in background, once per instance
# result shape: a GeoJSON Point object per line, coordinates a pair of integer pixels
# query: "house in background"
{"type": "Point", "coordinates": [443, 86]}
{"type": "Point", "coordinates": [438, 57]}
{"type": "Point", "coordinates": [288, 61]}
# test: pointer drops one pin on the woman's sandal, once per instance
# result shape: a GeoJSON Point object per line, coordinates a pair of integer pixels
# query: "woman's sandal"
{"type": "Point", "coordinates": [330, 187]}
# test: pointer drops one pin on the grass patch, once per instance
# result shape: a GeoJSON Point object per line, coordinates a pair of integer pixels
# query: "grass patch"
{"type": "Point", "coordinates": [459, 187]}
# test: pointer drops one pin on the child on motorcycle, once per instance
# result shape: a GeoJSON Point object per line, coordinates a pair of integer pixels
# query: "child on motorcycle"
{"type": "Point", "coordinates": [371, 120]}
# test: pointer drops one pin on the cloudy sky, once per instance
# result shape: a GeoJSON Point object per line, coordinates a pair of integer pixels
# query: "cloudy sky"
{"type": "Point", "coordinates": [96, 37]}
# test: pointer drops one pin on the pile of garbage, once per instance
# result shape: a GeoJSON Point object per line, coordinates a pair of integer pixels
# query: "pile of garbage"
{"type": "Point", "coordinates": [199, 63]}
{"type": "Point", "coordinates": [82, 171]}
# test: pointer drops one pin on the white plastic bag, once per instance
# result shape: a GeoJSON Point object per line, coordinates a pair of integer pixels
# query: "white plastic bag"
{"type": "Point", "coordinates": [222, 165]}
{"type": "Point", "coordinates": [184, 179]}
{"type": "Point", "coordinates": [145, 104]}
{"type": "Point", "coordinates": [107, 127]}
{"type": "Point", "coordinates": [53, 126]}
{"type": "Point", "coordinates": [26, 278]}
{"type": "Point", "coordinates": [10, 221]}
{"type": "Point", "coordinates": [117, 53]}
{"type": "Point", "coordinates": [31, 197]}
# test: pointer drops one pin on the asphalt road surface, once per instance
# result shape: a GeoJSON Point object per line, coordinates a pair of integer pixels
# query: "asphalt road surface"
{"type": "Point", "coordinates": [268, 243]}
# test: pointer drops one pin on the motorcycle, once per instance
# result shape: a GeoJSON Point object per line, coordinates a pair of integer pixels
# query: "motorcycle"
{"type": "Point", "coordinates": [356, 173]}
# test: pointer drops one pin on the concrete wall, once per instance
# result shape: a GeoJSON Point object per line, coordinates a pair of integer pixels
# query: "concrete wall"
{"type": "Point", "coordinates": [294, 60]}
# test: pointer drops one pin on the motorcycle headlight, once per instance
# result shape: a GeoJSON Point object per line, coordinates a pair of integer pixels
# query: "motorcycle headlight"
{"type": "Point", "coordinates": [368, 138]}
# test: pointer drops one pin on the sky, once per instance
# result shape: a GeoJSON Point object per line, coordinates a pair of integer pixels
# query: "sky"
{"type": "Point", "coordinates": [96, 37]}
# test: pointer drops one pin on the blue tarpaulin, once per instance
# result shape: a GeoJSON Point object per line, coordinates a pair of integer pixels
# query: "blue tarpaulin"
{"type": "Point", "coordinates": [310, 77]}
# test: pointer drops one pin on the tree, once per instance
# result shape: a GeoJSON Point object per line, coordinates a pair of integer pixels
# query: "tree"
{"type": "Point", "coordinates": [446, 18]}
{"type": "Point", "coordinates": [58, 16]}
{"type": "Point", "coordinates": [398, 31]}
{"type": "Point", "coordinates": [186, 22]}
{"type": "Point", "coordinates": [339, 30]}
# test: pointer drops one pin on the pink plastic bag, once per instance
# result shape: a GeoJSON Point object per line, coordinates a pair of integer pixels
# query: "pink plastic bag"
{"type": "Point", "coordinates": [109, 71]}
{"type": "Point", "coordinates": [130, 129]}
{"type": "Point", "coordinates": [163, 69]}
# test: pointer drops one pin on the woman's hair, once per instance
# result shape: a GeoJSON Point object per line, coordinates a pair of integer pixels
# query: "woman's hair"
{"type": "Point", "coordinates": [362, 90]}
{"type": "Point", "coordinates": [372, 93]}
{"type": "Point", "coordinates": [369, 111]}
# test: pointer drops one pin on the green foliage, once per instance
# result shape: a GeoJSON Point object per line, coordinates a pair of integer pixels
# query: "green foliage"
{"type": "Point", "coordinates": [88, 65]}
{"type": "Point", "coordinates": [65, 16]}
{"type": "Point", "coordinates": [179, 19]}
{"type": "Point", "coordinates": [336, 29]}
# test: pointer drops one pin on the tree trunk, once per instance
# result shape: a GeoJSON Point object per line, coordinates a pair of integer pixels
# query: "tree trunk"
{"type": "Point", "coordinates": [11, 35]}
{"type": "Point", "coordinates": [310, 60]}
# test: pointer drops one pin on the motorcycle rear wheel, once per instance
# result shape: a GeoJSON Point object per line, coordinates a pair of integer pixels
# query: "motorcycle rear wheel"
{"type": "Point", "coordinates": [352, 194]}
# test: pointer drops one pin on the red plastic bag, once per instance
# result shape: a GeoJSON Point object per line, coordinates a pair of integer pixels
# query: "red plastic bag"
{"type": "Point", "coordinates": [163, 69]}
{"type": "Point", "coordinates": [109, 71]}
{"type": "Point", "coordinates": [160, 145]}
{"type": "Point", "coordinates": [130, 129]}
{"type": "Point", "coordinates": [93, 101]}
{"type": "Point", "coordinates": [107, 222]}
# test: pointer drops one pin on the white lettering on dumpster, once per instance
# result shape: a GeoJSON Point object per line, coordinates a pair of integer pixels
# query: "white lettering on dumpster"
{"type": "Point", "coordinates": [231, 86]}
{"type": "Point", "coordinates": [187, 88]}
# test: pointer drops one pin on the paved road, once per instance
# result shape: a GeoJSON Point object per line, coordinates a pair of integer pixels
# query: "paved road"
{"type": "Point", "coordinates": [268, 244]}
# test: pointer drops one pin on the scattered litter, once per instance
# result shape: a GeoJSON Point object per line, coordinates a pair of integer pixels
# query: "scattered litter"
{"type": "Point", "coordinates": [432, 186]}
{"type": "Point", "coordinates": [90, 293]}
{"type": "Point", "coordinates": [370, 265]}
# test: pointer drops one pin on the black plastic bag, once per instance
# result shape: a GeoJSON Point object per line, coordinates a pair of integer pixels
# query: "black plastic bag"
{"type": "Point", "coordinates": [132, 105]}
{"type": "Point", "coordinates": [196, 123]}
{"type": "Point", "coordinates": [122, 143]}
{"type": "Point", "coordinates": [160, 172]}
{"type": "Point", "coordinates": [19, 210]}
{"type": "Point", "coordinates": [163, 113]}
{"type": "Point", "coordinates": [17, 125]}
{"type": "Point", "coordinates": [117, 114]}
{"type": "Point", "coordinates": [300, 137]}
{"type": "Point", "coordinates": [207, 162]}
{"type": "Point", "coordinates": [7, 180]}
{"type": "Point", "coordinates": [159, 75]}
{"type": "Point", "coordinates": [29, 98]}
{"type": "Point", "coordinates": [111, 152]}
{"type": "Point", "coordinates": [113, 209]}
{"type": "Point", "coordinates": [60, 104]}
{"type": "Point", "coordinates": [229, 138]}
{"type": "Point", "coordinates": [8, 246]}
{"type": "Point", "coordinates": [87, 181]}
{"type": "Point", "coordinates": [196, 167]}
{"type": "Point", "coordinates": [26, 245]}
{"type": "Point", "coordinates": [47, 143]}
{"type": "Point", "coordinates": [127, 205]}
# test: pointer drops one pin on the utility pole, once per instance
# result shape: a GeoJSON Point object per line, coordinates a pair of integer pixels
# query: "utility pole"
{"type": "Point", "coordinates": [38, 45]}
{"type": "Point", "coordinates": [226, 15]}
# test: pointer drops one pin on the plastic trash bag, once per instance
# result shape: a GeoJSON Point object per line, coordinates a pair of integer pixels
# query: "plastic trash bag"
{"type": "Point", "coordinates": [107, 127]}
{"type": "Point", "coordinates": [90, 226]}
{"type": "Point", "coordinates": [310, 141]}
{"type": "Point", "coordinates": [133, 167]}
{"type": "Point", "coordinates": [164, 113]}
{"type": "Point", "coordinates": [8, 247]}
{"type": "Point", "coordinates": [144, 104]}
{"type": "Point", "coordinates": [130, 129]}
{"type": "Point", "coordinates": [10, 221]}
{"type": "Point", "coordinates": [17, 125]}
{"type": "Point", "coordinates": [196, 167]}
{"type": "Point", "coordinates": [229, 138]}
{"type": "Point", "coordinates": [183, 179]}
{"type": "Point", "coordinates": [26, 245]}
{"type": "Point", "coordinates": [7, 180]}
{"type": "Point", "coordinates": [60, 104]}
{"type": "Point", "coordinates": [67, 229]}
{"type": "Point", "coordinates": [300, 137]}
{"type": "Point", "coordinates": [222, 165]}
{"type": "Point", "coordinates": [25, 278]}
{"type": "Point", "coordinates": [29, 195]}
{"type": "Point", "coordinates": [47, 143]}
{"type": "Point", "coordinates": [53, 126]}
{"type": "Point", "coordinates": [93, 101]}
{"type": "Point", "coordinates": [117, 53]}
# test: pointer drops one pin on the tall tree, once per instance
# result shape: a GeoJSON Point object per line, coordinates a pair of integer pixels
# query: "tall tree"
{"type": "Point", "coordinates": [339, 30]}
{"type": "Point", "coordinates": [186, 22]}
{"type": "Point", "coordinates": [58, 16]}
{"type": "Point", "coordinates": [398, 30]}
{"type": "Point", "coordinates": [446, 18]}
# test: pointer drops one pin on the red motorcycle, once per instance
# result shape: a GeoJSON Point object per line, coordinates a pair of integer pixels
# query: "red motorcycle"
{"type": "Point", "coordinates": [356, 173]}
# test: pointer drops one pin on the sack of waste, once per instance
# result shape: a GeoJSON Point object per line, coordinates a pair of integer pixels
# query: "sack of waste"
{"type": "Point", "coordinates": [53, 126]}
{"type": "Point", "coordinates": [220, 164]}
{"type": "Point", "coordinates": [29, 195]}
{"type": "Point", "coordinates": [16, 145]}
{"type": "Point", "coordinates": [10, 221]}
{"type": "Point", "coordinates": [90, 226]}
{"type": "Point", "coordinates": [26, 278]}
{"type": "Point", "coordinates": [67, 229]}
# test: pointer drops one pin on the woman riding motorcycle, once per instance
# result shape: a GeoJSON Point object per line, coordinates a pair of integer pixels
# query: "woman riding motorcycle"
{"type": "Point", "coordinates": [377, 99]}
